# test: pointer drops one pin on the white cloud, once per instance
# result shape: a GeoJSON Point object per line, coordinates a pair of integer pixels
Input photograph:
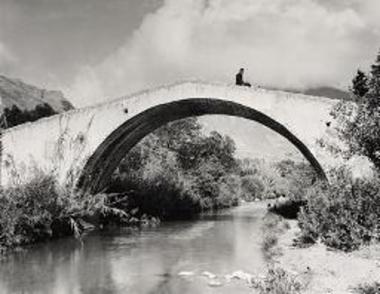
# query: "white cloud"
{"type": "Point", "coordinates": [283, 43]}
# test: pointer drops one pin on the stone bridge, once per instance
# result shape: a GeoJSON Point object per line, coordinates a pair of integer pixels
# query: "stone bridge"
{"type": "Point", "coordinates": [84, 146]}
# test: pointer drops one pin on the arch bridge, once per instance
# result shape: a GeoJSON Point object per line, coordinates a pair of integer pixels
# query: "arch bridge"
{"type": "Point", "coordinates": [84, 146]}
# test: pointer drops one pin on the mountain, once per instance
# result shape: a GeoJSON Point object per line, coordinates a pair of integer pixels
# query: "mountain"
{"type": "Point", "coordinates": [329, 92]}
{"type": "Point", "coordinates": [323, 91]}
{"type": "Point", "coordinates": [14, 92]}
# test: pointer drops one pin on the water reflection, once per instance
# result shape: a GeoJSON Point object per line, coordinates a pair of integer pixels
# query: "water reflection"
{"type": "Point", "coordinates": [148, 261]}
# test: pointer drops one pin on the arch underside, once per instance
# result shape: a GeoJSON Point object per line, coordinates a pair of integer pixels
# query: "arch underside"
{"type": "Point", "coordinates": [106, 158]}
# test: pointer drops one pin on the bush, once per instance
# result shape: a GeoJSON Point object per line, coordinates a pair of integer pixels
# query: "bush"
{"type": "Point", "coordinates": [252, 188]}
{"type": "Point", "coordinates": [373, 288]}
{"type": "Point", "coordinates": [273, 226]}
{"type": "Point", "coordinates": [41, 210]}
{"type": "Point", "coordinates": [278, 281]}
{"type": "Point", "coordinates": [344, 214]}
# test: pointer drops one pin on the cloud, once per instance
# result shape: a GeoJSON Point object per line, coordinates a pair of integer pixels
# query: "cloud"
{"type": "Point", "coordinates": [7, 59]}
{"type": "Point", "coordinates": [283, 43]}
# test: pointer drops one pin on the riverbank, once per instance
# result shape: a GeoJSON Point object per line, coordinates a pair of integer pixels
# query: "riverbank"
{"type": "Point", "coordinates": [322, 270]}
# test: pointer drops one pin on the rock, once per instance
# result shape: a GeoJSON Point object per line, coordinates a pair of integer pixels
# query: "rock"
{"type": "Point", "coordinates": [209, 275]}
{"type": "Point", "coordinates": [134, 211]}
{"type": "Point", "coordinates": [85, 225]}
{"type": "Point", "coordinates": [186, 274]}
{"type": "Point", "coordinates": [215, 283]}
{"type": "Point", "coordinates": [155, 220]}
{"type": "Point", "coordinates": [240, 275]}
{"type": "Point", "coordinates": [134, 220]}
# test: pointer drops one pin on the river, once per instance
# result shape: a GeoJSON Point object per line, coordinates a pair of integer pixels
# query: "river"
{"type": "Point", "coordinates": [171, 258]}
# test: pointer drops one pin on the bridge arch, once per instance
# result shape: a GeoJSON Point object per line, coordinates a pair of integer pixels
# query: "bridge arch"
{"type": "Point", "coordinates": [103, 161]}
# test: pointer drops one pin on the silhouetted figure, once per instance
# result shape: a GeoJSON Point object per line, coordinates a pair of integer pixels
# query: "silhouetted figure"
{"type": "Point", "coordinates": [240, 79]}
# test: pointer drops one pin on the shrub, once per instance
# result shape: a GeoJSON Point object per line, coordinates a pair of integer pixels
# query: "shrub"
{"type": "Point", "coordinates": [278, 281]}
{"type": "Point", "coordinates": [288, 209]}
{"type": "Point", "coordinates": [273, 226]}
{"type": "Point", "coordinates": [40, 210]}
{"type": "Point", "coordinates": [373, 288]}
{"type": "Point", "coordinates": [253, 187]}
{"type": "Point", "coordinates": [344, 214]}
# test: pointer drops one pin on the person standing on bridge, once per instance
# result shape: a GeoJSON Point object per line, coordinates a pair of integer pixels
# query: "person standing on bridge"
{"type": "Point", "coordinates": [240, 79]}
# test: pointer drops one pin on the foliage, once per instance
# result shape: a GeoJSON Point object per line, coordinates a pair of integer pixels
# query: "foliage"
{"type": "Point", "coordinates": [273, 226]}
{"type": "Point", "coordinates": [360, 85]}
{"type": "Point", "coordinates": [279, 281]}
{"type": "Point", "coordinates": [267, 180]}
{"type": "Point", "coordinates": [40, 210]}
{"type": "Point", "coordinates": [252, 187]}
{"type": "Point", "coordinates": [373, 288]}
{"type": "Point", "coordinates": [344, 214]}
{"type": "Point", "coordinates": [359, 125]}
{"type": "Point", "coordinates": [15, 116]}
{"type": "Point", "coordinates": [178, 170]}
{"type": "Point", "coordinates": [299, 177]}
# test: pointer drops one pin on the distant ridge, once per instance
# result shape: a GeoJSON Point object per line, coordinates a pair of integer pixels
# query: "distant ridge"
{"type": "Point", "coordinates": [14, 92]}
{"type": "Point", "coordinates": [329, 92]}
{"type": "Point", "coordinates": [323, 91]}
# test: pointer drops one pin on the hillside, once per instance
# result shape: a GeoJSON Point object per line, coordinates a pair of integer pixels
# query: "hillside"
{"type": "Point", "coordinates": [27, 97]}
{"type": "Point", "coordinates": [328, 92]}
{"type": "Point", "coordinates": [322, 91]}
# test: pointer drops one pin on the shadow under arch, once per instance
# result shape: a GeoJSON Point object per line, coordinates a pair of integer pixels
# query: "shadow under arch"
{"type": "Point", "coordinates": [101, 164]}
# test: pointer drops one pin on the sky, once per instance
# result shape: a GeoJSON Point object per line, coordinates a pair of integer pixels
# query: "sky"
{"type": "Point", "coordinates": [95, 50]}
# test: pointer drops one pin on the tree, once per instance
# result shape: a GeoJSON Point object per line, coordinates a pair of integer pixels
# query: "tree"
{"type": "Point", "coordinates": [373, 94]}
{"type": "Point", "coordinates": [179, 167]}
{"type": "Point", "coordinates": [15, 116]}
{"type": "Point", "coordinates": [360, 84]}
{"type": "Point", "coordinates": [178, 133]}
{"type": "Point", "coordinates": [359, 126]}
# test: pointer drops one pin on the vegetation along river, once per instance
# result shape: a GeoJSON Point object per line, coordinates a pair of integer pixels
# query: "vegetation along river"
{"type": "Point", "coordinates": [175, 257]}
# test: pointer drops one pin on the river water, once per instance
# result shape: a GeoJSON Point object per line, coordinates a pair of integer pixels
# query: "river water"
{"type": "Point", "coordinates": [171, 258]}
